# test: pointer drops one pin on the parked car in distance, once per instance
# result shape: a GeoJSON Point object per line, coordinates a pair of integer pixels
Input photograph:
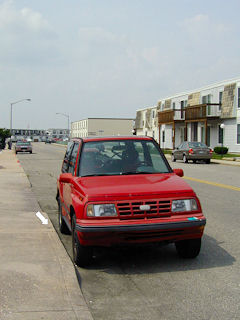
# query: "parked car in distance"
{"type": "Point", "coordinates": [23, 146]}
{"type": "Point", "coordinates": [48, 141]}
{"type": "Point", "coordinates": [194, 151]}
{"type": "Point", "coordinates": [122, 190]}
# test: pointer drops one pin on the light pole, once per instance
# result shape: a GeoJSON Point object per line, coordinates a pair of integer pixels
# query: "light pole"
{"type": "Point", "coordinates": [11, 111]}
{"type": "Point", "coordinates": [67, 116]}
{"type": "Point", "coordinates": [222, 126]}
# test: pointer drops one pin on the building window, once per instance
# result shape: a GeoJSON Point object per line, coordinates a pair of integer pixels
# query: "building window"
{"type": "Point", "coordinates": [220, 135]}
{"type": "Point", "coordinates": [220, 100]}
{"type": "Point", "coordinates": [238, 97]}
{"type": "Point", "coordinates": [163, 136]}
{"type": "Point", "coordinates": [238, 133]}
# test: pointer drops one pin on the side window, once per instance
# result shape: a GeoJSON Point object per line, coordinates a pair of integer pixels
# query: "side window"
{"type": "Point", "coordinates": [66, 157]}
{"type": "Point", "coordinates": [73, 158]}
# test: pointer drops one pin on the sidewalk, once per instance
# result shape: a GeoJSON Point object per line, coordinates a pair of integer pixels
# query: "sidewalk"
{"type": "Point", "coordinates": [37, 277]}
{"type": "Point", "coordinates": [225, 161]}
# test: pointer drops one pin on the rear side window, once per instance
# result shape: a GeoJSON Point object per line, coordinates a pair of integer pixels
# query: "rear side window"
{"type": "Point", "coordinates": [67, 157]}
{"type": "Point", "coordinates": [73, 158]}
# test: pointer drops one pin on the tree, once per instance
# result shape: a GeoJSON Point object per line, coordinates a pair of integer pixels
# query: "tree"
{"type": "Point", "coordinates": [4, 134]}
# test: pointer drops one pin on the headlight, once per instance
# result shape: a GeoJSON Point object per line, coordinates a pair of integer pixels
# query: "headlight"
{"type": "Point", "coordinates": [101, 210]}
{"type": "Point", "coordinates": [184, 205]}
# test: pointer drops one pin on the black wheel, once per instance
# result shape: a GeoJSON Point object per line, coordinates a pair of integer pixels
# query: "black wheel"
{"type": "Point", "coordinates": [173, 158]}
{"type": "Point", "coordinates": [30, 151]}
{"type": "Point", "coordinates": [16, 152]}
{"type": "Point", "coordinates": [188, 248]}
{"type": "Point", "coordinates": [185, 160]}
{"type": "Point", "coordinates": [62, 224]}
{"type": "Point", "coordinates": [82, 255]}
{"type": "Point", "coordinates": [207, 161]}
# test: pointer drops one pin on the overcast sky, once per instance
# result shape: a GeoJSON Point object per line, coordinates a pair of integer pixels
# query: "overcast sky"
{"type": "Point", "coordinates": [108, 58]}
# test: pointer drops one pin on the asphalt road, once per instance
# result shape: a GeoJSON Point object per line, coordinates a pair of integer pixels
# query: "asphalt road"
{"type": "Point", "coordinates": [152, 282]}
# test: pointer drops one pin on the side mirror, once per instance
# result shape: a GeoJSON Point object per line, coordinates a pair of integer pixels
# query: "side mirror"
{"type": "Point", "coordinates": [178, 172]}
{"type": "Point", "coordinates": [66, 178]}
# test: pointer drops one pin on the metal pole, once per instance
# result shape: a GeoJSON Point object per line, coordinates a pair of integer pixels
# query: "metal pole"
{"type": "Point", "coordinates": [11, 119]}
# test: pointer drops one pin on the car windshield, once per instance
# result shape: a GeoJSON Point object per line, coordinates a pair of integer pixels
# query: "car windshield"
{"type": "Point", "coordinates": [121, 157]}
{"type": "Point", "coordinates": [197, 145]}
{"type": "Point", "coordinates": [23, 143]}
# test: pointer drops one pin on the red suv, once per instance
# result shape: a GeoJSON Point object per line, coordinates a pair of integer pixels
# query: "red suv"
{"type": "Point", "coordinates": [121, 190]}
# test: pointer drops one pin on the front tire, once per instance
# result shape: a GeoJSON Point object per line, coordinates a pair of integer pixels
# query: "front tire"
{"type": "Point", "coordinates": [173, 158]}
{"type": "Point", "coordinates": [188, 249]}
{"type": "Point", "coordinates": [185, 160]}
{"type": "Point", "coordinates": [82, 255]}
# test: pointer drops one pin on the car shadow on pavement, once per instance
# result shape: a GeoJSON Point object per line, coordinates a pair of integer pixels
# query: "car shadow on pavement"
{"type": "Point", "coordinates": [155, 259]}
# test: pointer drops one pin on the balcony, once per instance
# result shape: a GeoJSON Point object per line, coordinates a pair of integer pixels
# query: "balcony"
{"type": "Point", "coordinates": [169, 116]}
{"type": "Point", "coordinates": [203, 111]}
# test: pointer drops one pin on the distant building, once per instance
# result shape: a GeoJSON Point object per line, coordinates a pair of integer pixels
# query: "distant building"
{"type": "Point", "coordinates": [210, 114]}
{"type": "Point", "coordinates": [39, 135]}
{"type": "Point", "coordinates": [57, 133]}
{"type": "Point", "coordinates": [102, 127]}
{"type": "Point", "coordinates": [34, 134]}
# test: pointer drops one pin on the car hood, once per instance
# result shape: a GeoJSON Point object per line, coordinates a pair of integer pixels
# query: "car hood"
{"type": "Point", "coordinates": [132, 186]}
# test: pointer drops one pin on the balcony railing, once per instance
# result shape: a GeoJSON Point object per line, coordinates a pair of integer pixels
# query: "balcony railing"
{"type": "Point", "coordinates": [168, 116]}
{"type": "Point", "coordinates": [203, 111]}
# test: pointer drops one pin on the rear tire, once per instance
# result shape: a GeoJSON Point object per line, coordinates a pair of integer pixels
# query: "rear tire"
{"type": "Point", "coordinates": [188, 249]}
{"type": "Point", "coordinates": [185, 160]}
{"type": "Point", "coordinates": [208, 161]}
{"type": "Point", "coordinates": [62, 224]}
{"type": "Point", "coordinates": [82, 255]}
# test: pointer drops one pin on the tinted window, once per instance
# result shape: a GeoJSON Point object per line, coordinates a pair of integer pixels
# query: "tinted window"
{"type": "Point", "coordinates": [23, 143]}
{"type": "Point", "coordinates": [73, 158]}
{"type": "Point", "coordinates": [67, 157]}
{"type": "Point", "coordinates": [121, 157]}
{"type": "Point", "coordinates": [197, 145]}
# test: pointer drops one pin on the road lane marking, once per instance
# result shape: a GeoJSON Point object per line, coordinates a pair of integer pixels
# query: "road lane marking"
{"type": "Point", "coordinates": [220, 185]}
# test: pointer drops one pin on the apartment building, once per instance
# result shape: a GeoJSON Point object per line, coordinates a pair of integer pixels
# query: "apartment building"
{"type": "Point", "coordinates": [209, 114]}
{"type": "Point", "coordinates": [102, 127]}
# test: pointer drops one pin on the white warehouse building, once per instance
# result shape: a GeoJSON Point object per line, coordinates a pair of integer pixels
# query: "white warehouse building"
{"type": "Point", "coordinates": [210, 114]}
{"type": "Point", "coordinates": [102, 127]}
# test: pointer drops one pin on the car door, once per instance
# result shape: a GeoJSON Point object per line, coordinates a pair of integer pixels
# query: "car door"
{"type": "Point", "coordinates": [184, 149]}
{"type": "Point", "coordinates": [177, 152]}
{"type": "Point", "coordinates": [67, 187]}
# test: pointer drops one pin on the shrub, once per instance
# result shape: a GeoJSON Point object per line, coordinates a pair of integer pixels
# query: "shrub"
{"type": "Point", "coordinates": [221, 150]}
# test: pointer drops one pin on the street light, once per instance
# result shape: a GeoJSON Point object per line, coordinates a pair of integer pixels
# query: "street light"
{"type": "Point", "coordinates": [11, 111]}
{"type": "Point", "coordinates": [67, 116]}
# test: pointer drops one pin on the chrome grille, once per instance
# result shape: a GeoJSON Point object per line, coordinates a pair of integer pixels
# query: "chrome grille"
{"type": "Point", "coordinates": [128, 210]}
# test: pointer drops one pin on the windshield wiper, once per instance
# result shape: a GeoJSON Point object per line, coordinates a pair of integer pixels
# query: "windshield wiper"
{"type": "Point", "coordinates": [136, 172]}
{"type": "Point", "coordinates": [96, 175]}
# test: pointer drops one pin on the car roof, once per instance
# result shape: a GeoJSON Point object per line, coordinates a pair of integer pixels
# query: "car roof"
{"type": "Point", "coordinates": [114, 138]}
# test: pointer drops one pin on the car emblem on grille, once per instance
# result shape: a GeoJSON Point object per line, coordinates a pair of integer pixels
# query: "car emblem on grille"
{"type": "Point", "coordinates": [144, 207]}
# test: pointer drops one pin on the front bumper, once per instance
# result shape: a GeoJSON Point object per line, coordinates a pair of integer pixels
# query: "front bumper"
{"type": "Point", "coordinates": [108, 235]}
